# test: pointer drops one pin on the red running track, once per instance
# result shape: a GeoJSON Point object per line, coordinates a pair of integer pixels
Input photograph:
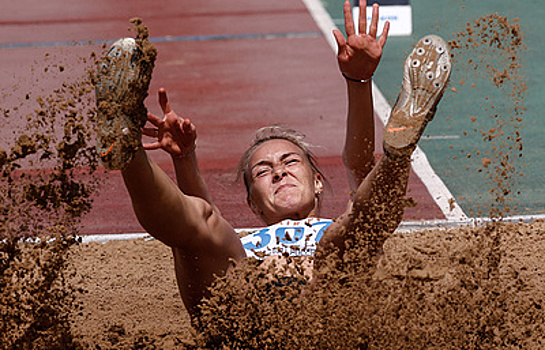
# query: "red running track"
{"type": "Point", "coordinates": [231, 70]}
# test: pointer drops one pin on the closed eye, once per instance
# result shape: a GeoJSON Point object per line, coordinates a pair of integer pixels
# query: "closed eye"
{"type": "Point", "coordinates": [261, 171]}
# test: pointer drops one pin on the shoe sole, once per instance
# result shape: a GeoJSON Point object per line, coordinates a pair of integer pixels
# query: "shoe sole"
{"type": "Point", "coordinates": [121, 112]}
{"type": "Point", "coordinates": [426, 74]}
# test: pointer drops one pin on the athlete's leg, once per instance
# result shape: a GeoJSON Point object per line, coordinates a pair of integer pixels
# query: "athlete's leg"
{"type": "Point", "coordinates": [204, 244]}
{"type": "Point", "coordinates": [376, 209]}
{"type": "Point", "coordinates": [378, 204]}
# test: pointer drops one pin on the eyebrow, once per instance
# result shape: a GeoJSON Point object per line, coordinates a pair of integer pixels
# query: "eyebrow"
{"type": "Point", "coordinates": [283, 157]}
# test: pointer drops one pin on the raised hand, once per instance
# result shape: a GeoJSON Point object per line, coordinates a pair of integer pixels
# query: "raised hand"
{"type": "Point", "coordinates": [174, 134]}
{"type": "Point", "coordinates": [359, 55]}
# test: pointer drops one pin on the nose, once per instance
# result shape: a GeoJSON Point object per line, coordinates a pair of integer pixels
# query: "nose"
{"type": "Point", "coordinates": [279, 173]}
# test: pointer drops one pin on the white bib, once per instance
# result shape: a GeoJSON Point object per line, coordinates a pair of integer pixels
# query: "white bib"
{"type": "Point", "coordinates": [294, 237]}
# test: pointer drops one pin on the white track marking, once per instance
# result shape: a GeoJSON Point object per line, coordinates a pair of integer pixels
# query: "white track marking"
{"type": "Point", "coordinates": [421, 166]}
{"type": "Point", "coordinates": [406, 226]}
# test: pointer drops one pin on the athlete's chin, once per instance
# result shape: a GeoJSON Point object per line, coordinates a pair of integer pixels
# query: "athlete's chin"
{"type": "Point", "coordinates": [288, 201]}
{"type": "Point", "coordinates": [293, 207]}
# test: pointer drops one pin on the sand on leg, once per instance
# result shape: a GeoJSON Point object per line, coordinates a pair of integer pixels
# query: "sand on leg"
{"type": "Point", "coordinates": [204, 244]}
{"type": "Point", "coordinates": [378, 203]}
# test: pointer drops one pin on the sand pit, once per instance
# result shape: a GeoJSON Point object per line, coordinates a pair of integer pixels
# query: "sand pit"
{"type": "Point", "coordinates": [437, 289]}
{"type": "Point", "coordinates": [464, 288]}
{"type": "Point", "coordinates": [130, 295]}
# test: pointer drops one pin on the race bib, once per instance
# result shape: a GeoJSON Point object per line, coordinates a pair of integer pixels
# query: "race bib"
{"type": "Point", "coordinates": [292, 237]}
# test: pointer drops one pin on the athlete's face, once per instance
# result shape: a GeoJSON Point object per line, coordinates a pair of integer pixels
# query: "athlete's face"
{"type": "Point", "coordinates": [283, 184]}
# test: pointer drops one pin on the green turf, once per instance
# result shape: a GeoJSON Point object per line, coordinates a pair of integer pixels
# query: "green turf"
{"type": "Point", "coordinates": [448, 157]}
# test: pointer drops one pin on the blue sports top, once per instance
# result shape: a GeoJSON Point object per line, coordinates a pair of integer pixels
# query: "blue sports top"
{"type": "Point", "coordinates": [294, 237]}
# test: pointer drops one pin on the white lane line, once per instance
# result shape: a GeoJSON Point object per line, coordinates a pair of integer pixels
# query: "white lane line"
{"type": "Point", "coordinates": [405, 226]}
{"type": "Point", "coordinates": [435, 186]}
{"type": "Point", "coordinates": [323, 20]}
{"type": "Point", "coordinates": [440, 137]}
{"type": "Point", "coordinates": [103, 238]}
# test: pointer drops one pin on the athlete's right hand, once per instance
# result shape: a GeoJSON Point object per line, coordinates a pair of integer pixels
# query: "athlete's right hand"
{"type": "Point", "coordinates": [174, 134]}
{"type": "Point", "coordinates": [359, 54]}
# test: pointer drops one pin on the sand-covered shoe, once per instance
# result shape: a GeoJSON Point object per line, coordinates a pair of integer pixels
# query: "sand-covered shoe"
{"type": "Point", "coordinates": [426, 73]}
{"type": "Point", "coordinates": [121, 86]}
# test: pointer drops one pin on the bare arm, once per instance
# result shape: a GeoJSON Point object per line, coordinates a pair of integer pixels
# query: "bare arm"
{"type": "Point", "coordinates": [181, 216]}
{"type": "Point", "coordinates": [177, 136]}
{"type": "Point", "coordinates": [373, 186]}
{"type": "Point", "coordinates": [358, 57]}
{"type": "Point", "coordinates": [203, 242]}
{"type": "Point", "coordinates": [189, 178]}
{"type": "Point", "coordinates": [359, 146]}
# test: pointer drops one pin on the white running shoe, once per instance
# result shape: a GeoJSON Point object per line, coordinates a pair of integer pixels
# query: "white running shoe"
{"type": "Point", "coordinates": [121, 86]}
{"type": "Point", "coordinates": [427, 71]}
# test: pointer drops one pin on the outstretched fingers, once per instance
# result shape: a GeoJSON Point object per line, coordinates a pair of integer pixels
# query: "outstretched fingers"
{"type": "Point", "coordinates": [163, 101]}
{"type": "Point", "coordinates": [348, 21]}
{"type": "Point", "coordinates": [374, 22]}
{"type": "Point", "coordinates": [362, 22]}
{"type": "Point", "coordinates": [187, 126]}
{"type": "Point", "coordinates": [152, 132]}
{"type": "Point", "coordinates": [155, 120]}
{"type": "Point", "coordinates": [341, 42]}
{"type": "Point", "coordinates": [151, 146]}
{"type": "Point", "coordinates": [384, 36]}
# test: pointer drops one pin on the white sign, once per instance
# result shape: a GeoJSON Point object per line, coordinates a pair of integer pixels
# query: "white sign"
{"type": "Point", "coordinates": [399, 16]}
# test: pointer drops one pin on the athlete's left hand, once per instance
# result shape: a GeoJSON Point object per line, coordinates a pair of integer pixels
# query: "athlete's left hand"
{"type": "Point", "coordinates": [359, 55]}
{"type": "Point", "coordinates": [174, 134]}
